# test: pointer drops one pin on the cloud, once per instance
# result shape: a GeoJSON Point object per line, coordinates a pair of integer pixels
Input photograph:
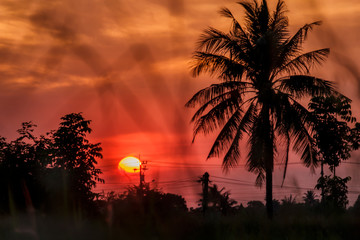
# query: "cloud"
{"type": "Point", "coordinates": [130, 60]}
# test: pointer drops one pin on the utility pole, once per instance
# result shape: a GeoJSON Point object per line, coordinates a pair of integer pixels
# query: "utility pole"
{"type": "Point", "coordinates": [143, 168]}
{"type": "Point", "coordinates": [205, 190]}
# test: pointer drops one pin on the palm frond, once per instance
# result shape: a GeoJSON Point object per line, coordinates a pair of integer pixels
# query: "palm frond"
{"type": "Point", "coordinates": [260, 178]}
{"type": "Point", "coordinates": [294, 44]}
{"type": "Point", "coordinates": [257, 19]}
{"type": "Point", "coordinates": [216, 116]}
{"type": "Point", "coordinates": [213, 102]}
{"type": "Point", "coordinates": [287, 142]}
{"type": "Point", "coordinates": [291, 47]}
{"type": "Point", "coordinates": [225, 12]}
{"type": "Point", "coordinates": [303, 142]}
{"type": "Point", "coordinates": [215, 91]}
{"type": "Point", "coordinates": [225, 67]}
{"type": "Point", "coordinates": [294, 122]}
{"type": "Point", "coordinates": [226, 135]}
{"type": "Point", "coordinates": [304, 62]}
{"type": "Point", "coordinates": [279, 21]}
{"type": "Point", "coordinates": [233, 153]}
{"type": "Point", "coordinates": [250, 11]}
{"type": "Point", "coordinates": [216, 42]}
{"type": "Point", "coordinates": [284, 118]}
{"type": "Point", "coordinates": [303, 85]}
{"type": "Point", "coordinates": [263, 17]}
{"type": "Point", "coordinates": [262, 143]}
{"type": "Point", "coordinates": [302, 33]}
{"type": "Point", "coordinates": [213, 40]}
{"type": "Point", "coordinates": [237, 31]}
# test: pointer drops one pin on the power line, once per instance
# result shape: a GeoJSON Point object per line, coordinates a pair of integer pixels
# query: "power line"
{"type": "Point", "coordinates": [244, 184]}
{"type": "Point", "coordinates": [205, 165]}
{"type": "Point", "coordinates": [231, 179]}
{"type": "Point", "coordinates": [175, 181]}
{"type": "Point", "coordinates": [227, 181]}
{"type": "Point", "coordinates": [186, 186]}
{"type": "Point", "coordinates": [357, 163]}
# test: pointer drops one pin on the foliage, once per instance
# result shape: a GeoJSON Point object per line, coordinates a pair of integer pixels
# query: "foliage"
{"type": "Point", "coordinates": [49, 172]}
{"type": "Point", "coordinates": [356, 136]}
{"type": "Point", "coordinates": [356, 207]}
{"type": "Point", "coordinates": [335, 191]}
{"type": "Point", "coordinates": [220, 200]}
{"type": "Point", "coordinates": [310, 198]}
{"type": "Point", "coordinates": [142, 204]}
{"type": "Point", "coordinates": [255, 204]}
{"type": "Point", "coordinates": [21, 167]}
{"type": "Point", "coordinates": [334, 138]}
{"type": "Point", "coordinates": [75, 157]}
{"type": "Point", "coordinates": [263, 73]}
{"type": "Point", "coordinates": [288, 200]}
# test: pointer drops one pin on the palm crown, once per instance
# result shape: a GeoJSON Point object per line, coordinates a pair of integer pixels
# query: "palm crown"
{"type": "Point", "coordinates": [263, 74]}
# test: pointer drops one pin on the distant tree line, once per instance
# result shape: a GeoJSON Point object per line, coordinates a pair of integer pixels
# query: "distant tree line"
{"type": "Point", "coordinates": [333, 200]}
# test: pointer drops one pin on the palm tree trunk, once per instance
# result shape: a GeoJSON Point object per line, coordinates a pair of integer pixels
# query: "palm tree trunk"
{"type": "Point", "coordinates": [322, 177]}
{"type": "Point", "coordinates": [269, 162]}
{"type": "Point", "coordinates": [269, 195]}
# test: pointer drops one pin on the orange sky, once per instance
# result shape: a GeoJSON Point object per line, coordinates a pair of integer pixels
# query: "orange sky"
{"type": "Point", "coordinates": [125, 65]}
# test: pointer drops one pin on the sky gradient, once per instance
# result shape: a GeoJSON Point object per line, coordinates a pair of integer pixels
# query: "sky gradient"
{"type": "Point", "coordinates": [126, 66]}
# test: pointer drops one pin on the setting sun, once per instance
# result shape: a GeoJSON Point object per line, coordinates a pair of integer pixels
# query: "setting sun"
{"type": "Point", "coordinates": [130, 164]}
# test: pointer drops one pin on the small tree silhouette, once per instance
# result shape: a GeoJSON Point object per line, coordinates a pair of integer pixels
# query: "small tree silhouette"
{"type": "Point", "coordinates": [74, 157]}
{"type": "Point", "coordinates": [335, 191]}
{"type": "Point", "coordinates": [334, 138]}
{"type": "Point", "coordinates": [310, 198]}
{"type": "Point", "coordinates": [220, 200]}
{"type": "Point", "coordinates": [22, 164]}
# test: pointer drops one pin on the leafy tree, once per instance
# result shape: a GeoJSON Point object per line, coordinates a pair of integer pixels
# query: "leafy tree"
{"type": "Point", "coordinates": [49, 172]}
{"type": "Point", "coordinates": [263, 74]}
{"type": "Point", "coordinates": [74, 159]}
{"type": "Point", "coordinates": [334, 138]}
{"type": "Point", "coordinates": [21, 167]}
{"type": "Point", "coordinates": [335, 191]}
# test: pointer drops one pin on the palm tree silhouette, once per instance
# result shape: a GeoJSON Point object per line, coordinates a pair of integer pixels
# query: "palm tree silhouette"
{"type": "Point", "coordinates": [220, 199]}
{"type": "Point", "coordinates": [263, 73]}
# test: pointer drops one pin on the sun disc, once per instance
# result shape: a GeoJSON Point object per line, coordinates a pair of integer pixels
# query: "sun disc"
{"type": "Point", "coordinates": [130, 164]}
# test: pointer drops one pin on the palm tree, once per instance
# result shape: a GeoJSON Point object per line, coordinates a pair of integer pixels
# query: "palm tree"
{"type": "Point", "coordinates": [263, 73]}
{"type": "Point", "coordinates": [310, 198]}
{"type": "Point", "coordinates": [221, 200]}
